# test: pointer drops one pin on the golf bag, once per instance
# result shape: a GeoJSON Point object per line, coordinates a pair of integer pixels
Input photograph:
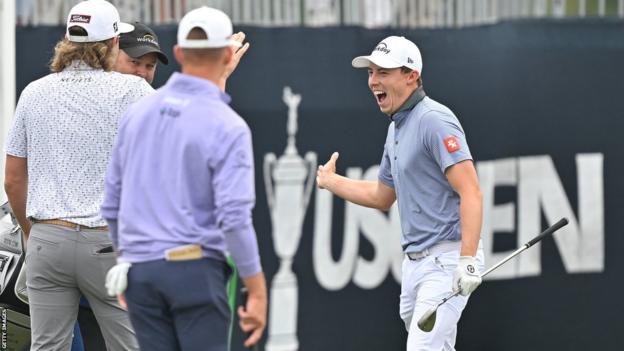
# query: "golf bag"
{"type": "Point", "coordinates": [14, 318]}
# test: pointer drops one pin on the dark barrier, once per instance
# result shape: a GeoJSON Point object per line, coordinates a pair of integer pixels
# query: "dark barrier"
{"type": "Point", "coordinates": [540, 103]}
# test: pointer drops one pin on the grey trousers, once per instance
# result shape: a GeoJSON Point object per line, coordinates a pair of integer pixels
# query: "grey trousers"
{"type": "Point", "coordinates": [62, 265]}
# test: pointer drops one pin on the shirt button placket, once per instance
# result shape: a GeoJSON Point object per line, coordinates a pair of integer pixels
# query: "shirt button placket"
{"type": "Point", "coordinates": [395, 152]}
{"type": "Point", "coordinates": [396, 148]}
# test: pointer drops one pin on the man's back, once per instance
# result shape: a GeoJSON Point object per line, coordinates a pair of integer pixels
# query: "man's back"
{"type": "Point", "coordinates": [179, 192]}
{"type": "Point", "coordinates": [174, 202]}
{"type": "Point", "coordinates": [65, 126]}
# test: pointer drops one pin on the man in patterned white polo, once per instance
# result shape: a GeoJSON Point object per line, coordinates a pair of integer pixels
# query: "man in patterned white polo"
{"type": "Point", "coordinates": [57, 152]}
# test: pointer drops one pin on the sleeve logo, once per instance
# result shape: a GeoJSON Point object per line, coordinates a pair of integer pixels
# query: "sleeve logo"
{"type": "Point", "coordinates": [452, 144]}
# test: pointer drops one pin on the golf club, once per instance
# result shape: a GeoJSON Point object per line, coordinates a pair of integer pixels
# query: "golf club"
{"type": "Point", "coordinates": [428, 319]}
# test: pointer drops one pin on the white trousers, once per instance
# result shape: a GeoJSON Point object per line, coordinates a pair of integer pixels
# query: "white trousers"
{"type": "Point", "coordinates": [425, 282]}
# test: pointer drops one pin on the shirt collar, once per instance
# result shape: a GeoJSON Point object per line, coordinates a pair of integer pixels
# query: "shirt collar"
{"type": "Point", "coordinates": [417, 96]}
{"type": "Point", "coordinates": [195, 85]}
{"type": "Point", "coordinates": [79, 65]}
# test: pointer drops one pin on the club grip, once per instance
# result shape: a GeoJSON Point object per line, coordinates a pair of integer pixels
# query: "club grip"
{"type": "Point", "coordinates": [244, 295]}
{"type": "Point", "coordinates": [553, 228]}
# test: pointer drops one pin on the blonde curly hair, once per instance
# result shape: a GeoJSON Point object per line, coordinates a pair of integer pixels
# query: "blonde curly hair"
{"type": "Point", "coordinates": [99, 54]}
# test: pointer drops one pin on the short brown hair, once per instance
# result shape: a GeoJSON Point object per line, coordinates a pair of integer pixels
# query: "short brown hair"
{"type": "Point", "coordinates": [97, 55]}
{"type": "Point", "coordinates": [201, 55]}
{"type": "Point", "coordinates": [409, 70]}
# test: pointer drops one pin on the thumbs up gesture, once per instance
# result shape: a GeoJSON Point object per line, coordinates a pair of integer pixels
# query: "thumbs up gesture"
{"type": "Point", "coordinates": [325, 172]}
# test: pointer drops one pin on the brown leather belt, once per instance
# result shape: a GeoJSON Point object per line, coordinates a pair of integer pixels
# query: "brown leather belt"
{"type": "Point", "coordinates": [77, 227]}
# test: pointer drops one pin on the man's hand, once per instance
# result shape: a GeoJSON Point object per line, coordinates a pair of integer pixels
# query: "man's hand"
{"type": "Point", "coordinates": [467, 276]}
{"type": "Point", "coordinates": [16, 188]}
{"type": "Point", "coordinates": [117, 279]}
{"type": "Point", "coordinates": [253, 315]}
{"type": "Point", "coordinates": [238, 54]}
{"type": "Point", "coordinates": [326, 171]}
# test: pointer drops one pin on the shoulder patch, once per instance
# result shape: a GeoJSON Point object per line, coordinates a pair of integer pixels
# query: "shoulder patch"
{"type": "Point", "coordinates": [452, 144]}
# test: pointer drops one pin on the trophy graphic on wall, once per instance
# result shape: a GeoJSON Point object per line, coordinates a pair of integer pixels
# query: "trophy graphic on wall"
{"type": "Point", "coordinates": [289, 180]}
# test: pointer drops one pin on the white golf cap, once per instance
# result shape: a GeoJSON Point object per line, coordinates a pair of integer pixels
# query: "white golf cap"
{"type": "Point", "coordinates": [392, 52]}
{"type": "Point", "coordinates": [99, 18]}
{"type": "Point", "coordinates": [215, 23]}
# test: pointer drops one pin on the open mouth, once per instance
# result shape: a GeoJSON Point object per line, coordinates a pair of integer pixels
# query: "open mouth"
{"type": "Point", "coordinates": [380, 96]}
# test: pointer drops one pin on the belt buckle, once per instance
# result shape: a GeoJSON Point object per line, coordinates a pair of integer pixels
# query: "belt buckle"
{"type": "Point", "coordinates": [417, 256]}
{"type": "Point", "coordinates": [184, 253]}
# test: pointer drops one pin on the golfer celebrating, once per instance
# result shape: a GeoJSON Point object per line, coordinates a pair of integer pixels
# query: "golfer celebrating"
{"type": "Point", "coordinates": [427, 167]}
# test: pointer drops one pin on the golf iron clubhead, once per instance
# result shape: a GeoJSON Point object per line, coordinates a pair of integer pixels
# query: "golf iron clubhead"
{"type": "Point", "coordinates": [428, 319]}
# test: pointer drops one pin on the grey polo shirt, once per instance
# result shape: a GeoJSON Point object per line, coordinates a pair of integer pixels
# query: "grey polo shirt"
{"type": "Point", "coordinates": [422, 143]}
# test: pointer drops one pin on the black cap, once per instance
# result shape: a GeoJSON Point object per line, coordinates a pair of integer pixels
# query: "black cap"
{"type": "Point", "coordinates": [142, 40]}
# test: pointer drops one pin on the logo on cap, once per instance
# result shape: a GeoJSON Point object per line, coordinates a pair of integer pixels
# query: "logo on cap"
{"type": "Point", "coordinates": [80, 19]}
{"type": "Point", "coordinates": [115, 26]}
{"type": "Point", "coordinates": [409, 60]}
{"type": "Point", "coordinates": [149, 39]}
{"type": "Point", "coordinates": [382, 47]}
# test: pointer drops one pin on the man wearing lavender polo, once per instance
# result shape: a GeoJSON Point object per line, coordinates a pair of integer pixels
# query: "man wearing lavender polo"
{"type": "Point", "coordinates": [178, 195]}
